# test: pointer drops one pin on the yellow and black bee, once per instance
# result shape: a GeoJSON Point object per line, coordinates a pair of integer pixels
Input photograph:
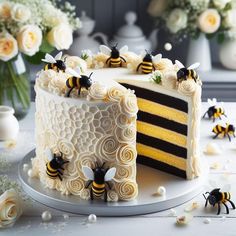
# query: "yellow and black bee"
{"type": "Point", "coordinates": [225, 129]}
{"type": "Point", "coordinates": [54, 168]}
{"type": "Point", "coordinates": [187, 73]}
{"type": "Point", "coordinates": [54, 63]}
{"type": "Point", "coordinates": [98, 177]}
{"type": "Point", "coordinates": [214, 111]}
{"type": "Point", "coordinates": [217, 197]}
{"type": "Point", "coordinates": [77, 81]}
{"type": "Point", "coordinates": [115, 59]}
{"type": "Point", "coordinates": [147, 65]}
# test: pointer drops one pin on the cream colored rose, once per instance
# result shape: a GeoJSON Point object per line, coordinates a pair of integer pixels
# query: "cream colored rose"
{"type": "Point", "coordinates": [75, 186]}
{"type": "Point", "coordinates": [97, 91]}
{"type": "Point", "coordinates": [10, 208]}
{"type": "Point", "coordinates": [112, 196]}
{"type": "Point", "coordinates": [8, 47]}
{"type": "Point", "coordinates": [169, 79]}
{"type": "Point", "coordinates": [20, 13]}
{"type": "Point", "coordinates": [129, 105]}
{"type": "Point", "coordinates": [209, 21]}
{"type": "Point", "coordinates": [187, 87]}
{"type": "Point", "coordinates": [127, 190]}
{"type": "Point", "coordinates": [157, 7]}
{"type": "Point", "coordinates": [220, 3]}
{"type": "Point", "coordinates": [230, 18]}
{"type": "Point", "coordinates": [60, 36]}
{"type": "Point", "coordinates": [29, 39]}
{"type": "Point", "coordinates": [177, 20]}
{"type": "Point", "coordinates": [5, 10]}
{"type": "Point", "coordinates": [75, 62]}
{"type": "Point", "coordinates": [115, 93]}
{"type": "Point", "coordinates": [126, 154]}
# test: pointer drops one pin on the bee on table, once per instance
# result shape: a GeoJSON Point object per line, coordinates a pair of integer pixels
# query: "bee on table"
{"type": "Point", "coordinates": [54, 63]}
{"type": "Point", "coordinates": [147, 65]}
{"type": "Point", "coordinates": [215, 110]}
{"type": "Point", "coordinates": [217, 197]}
{"type": "Point", "coordinates": [98, 177]}
{"type": "Point", "coordinates": [54, 167]}
{"type": "Point", "coordinates": [115, 59]}
{"type": "Point", "coordinates": [77, 81]}
{"type": "Point", "coordinates": [224, 129]}
{"type": "Point", "coordinates": [187, 73]}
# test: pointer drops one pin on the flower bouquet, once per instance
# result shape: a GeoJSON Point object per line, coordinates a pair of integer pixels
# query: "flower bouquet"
{"type": "Point", "coordinates": [29, 29]}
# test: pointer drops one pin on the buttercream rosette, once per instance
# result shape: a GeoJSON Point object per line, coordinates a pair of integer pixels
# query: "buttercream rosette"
{"type": "Point", "coordinates": [115, 93]}
{"type": "Point", "coordinates": [169, 79]}
{"type": "Point", "coordinates": [75, 186]}
{"type": "Point", "coordinates": [126, 154]}
{"type": "Point", "coordinates": [112, 196]}
{"type": "Point", "coordinates": [187, 87]}
{"type": "Point", "coordinates": [123, 172]}
{"type": "Point", "coordinates": [66, 148]}
{"type": "Point", "coordinates": [123, 121]}
{"type": "Point", "coordinates": [128, 104]}
{"type": "Point", "coordinates": [127, 134]}
{"type": "Point", "coordinates": [85, 194]}
{"type": "Point", "coordinates": [127, 190]}
{"type": "Point", "coordinates": [97, 91]}
{"type": "Point", "coordinates": [164, 64]}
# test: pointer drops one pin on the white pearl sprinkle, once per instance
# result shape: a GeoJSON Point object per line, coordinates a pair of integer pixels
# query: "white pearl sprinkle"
{"type": "Point", "coordinates": [207, 221]}
{"type": "Point", "coordinates": [65, 216]}
{"type": "Point", "coordinates": [92, 218]}
{"type": "Point", "coordinates": [168, 46]}
{"type": "Point", "coordinates": [46, 216]}
{"type": "Point", "coordinates": [30, 173]}
{"type": "Point", "coordinates": [161, 190]}
{"type": "Point", "coordinates": [25, 167]}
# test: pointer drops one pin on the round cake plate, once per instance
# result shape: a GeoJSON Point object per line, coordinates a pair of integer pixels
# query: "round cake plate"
{"type": "Point", "coordinates": [178, 191]}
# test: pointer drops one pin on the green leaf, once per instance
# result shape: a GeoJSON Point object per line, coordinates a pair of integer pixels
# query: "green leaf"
{"type": "Point", "coordinates": [210, 36]}
{"type": "Point", "coordinates": [46, 47]}
{"type": "Point", "coordinates": [227, 7]}
{"type": "Point", "coordinates": [220, 38]}
{"type": "Point", "coordinates": [35, 59]}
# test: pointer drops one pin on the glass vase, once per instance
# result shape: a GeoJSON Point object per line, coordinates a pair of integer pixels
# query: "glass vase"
{"type": "Point", "coordinates": [15, 85]}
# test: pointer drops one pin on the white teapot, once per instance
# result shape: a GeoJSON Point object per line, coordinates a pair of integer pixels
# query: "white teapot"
{"type": "Point", "coordinates": [84, 40]}
{"type": "Point", "coordinates": [132, 36]}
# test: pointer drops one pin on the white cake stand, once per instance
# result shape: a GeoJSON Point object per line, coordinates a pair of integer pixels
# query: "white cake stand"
{"type": "Point", "coordinates": [178, 191]}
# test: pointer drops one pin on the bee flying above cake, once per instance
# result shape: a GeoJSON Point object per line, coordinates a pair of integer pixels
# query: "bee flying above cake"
{"type": "Point", "coordinates": [215, 110]}
{"type": "Point", "coordinates": [54, 167]}
{"type": "Point", "coordinates": [56, 63]}
{"type": "Point", "coordinates": [115, 59]}
{"type": "Point", "coordinates": [77, 81]}
{"type": "Point", "coordinates": [218, 197]}
{"type": "Point", "coordinates": [98, 177]}
{"type": "Point", "coordinates": [147, 65]}
{"type": "Point", "coordinates": [187, 73]}
{"type": "Point", "coordinates": [223, 129]}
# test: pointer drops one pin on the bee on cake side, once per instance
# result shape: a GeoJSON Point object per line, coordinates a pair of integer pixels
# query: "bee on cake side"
{"type": "Point", "coordinates": [54, 166]}
{"type": "Point", "coordinates": [215, 110]}
{"type": "Point", "coordinates": [98, 177]}
{"type": "Point", "coordinates": [147, 65]}
{"type": "Point", "coordinates": [115, 59]}
{"type": "Point", "coordinates": [56, 64]}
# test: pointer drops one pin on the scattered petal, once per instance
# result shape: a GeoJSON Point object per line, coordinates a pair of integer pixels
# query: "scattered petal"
{"type": "Point", "coordinates": [207, 221]}
{"type": "Point", "coordinates": [212, 149]}
{"type": "Point", "coordinates": [10, 144]}
{"type": "Point", "coordinates": [183, 219]}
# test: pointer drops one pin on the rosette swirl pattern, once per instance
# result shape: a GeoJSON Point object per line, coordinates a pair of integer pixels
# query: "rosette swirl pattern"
{"type": "Point", "coordinates": [123, 172]}
{"type": "Point", "coordinates": [66, 148]}
{"type": "Point", "coordinates": [126, 154]}
{"type": "Point", "coordinates": [112, 196]}
{"type": "Point", "coordinates": [127, 190]}
{"type": "Point", "coordinates": [128, 104]}
{"type": "Point", "coordinates": [97, 91]}
{"type": "Point", "coordinates": [115, 93]}
{"type": "Point", "coordinates": [187, 87]}
{"type": "Point", "coordinates": [85, 194]}
{"type": "Point", "coordinates": [106, 147]}
{"type": "Point", "coordinates": [123, 121]}
{"type": "Point", "coordinates": [75, 186]}
{"type": "Point", "coordinates": [126, 135]}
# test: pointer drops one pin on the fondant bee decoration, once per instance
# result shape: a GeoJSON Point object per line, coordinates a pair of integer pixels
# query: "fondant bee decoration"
{"type": "Point", "coordinates": [224, 129]}
{"type": "Point", "coordinates": [98, 177]}
{"type": "Point", "coordinates": [187, 73]}
{"type": "Point", "coordinates": [56, 63]}
{"type": "Point", "coordinates": [147, 65]}
{"type": "Point", "coordinates": [115, 59]}
{"type": "Point", "coordinates": [77, 81]}
{"type": "Point", "coordinates": [215, 110]}
{"type": "Point", "coordinates": [54, 167]}
{"type": "Point", "coordinates": [217, 197]}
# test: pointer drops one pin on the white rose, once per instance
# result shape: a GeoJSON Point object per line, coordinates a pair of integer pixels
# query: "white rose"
{"type": "Point", "coordinates": [209, 21]}
{"type": "Point", "coordinates": [5, 10]}
{"type": "Point", "coordinates": [156, 7]}
{"type": "Point", "coordinates": [29, 39]}
{"type": "Point", "coordinates": [230, 18]}
{"type": "Point", "coordinates": [221, 3]}
{"type": "Point", "coordinates": [75, 62]}
{"type": "Point", "coordinates": [10, 208]}
{"type": "Point", "coordinates": [97, 91]}
{"type": "Point", "coordinates": [20, 13]}
{"type": "Point", "coordinates": [177, 20]}
{"type": "Point", "coordinates": [8, 47]}
{"type": "Point", "coordinates": [60, 36]}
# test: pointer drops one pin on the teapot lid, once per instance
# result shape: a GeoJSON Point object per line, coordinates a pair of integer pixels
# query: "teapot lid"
{"type": "Point", "coordinates": [84, 18]}
{"type": "Point", "coordinates": [130, 30]}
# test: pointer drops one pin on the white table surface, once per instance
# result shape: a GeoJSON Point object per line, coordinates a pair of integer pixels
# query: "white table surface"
{"type": "Point", "coordinates": [157, 224]}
